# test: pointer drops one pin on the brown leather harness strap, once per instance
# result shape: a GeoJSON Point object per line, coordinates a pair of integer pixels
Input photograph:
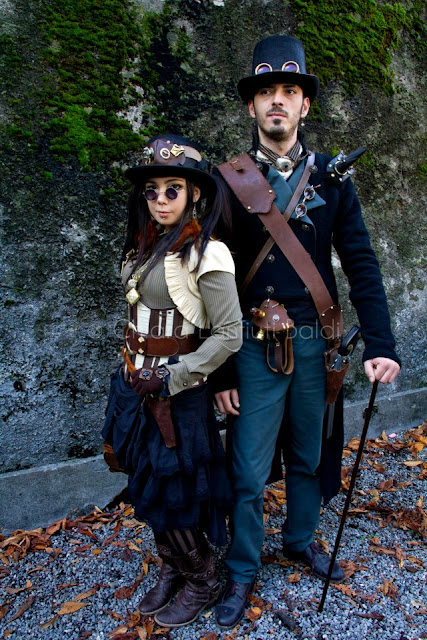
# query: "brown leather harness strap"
{"type": "Point", "coordinates": [159, 346]}
{"type": "Point", "coordinates": [246, 181]}
{"type": "Point", "coordinates": [286, 215]}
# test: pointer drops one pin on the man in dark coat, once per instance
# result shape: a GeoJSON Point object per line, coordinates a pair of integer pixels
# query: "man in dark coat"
{"type": "Point", "coordinates": [278, 94]}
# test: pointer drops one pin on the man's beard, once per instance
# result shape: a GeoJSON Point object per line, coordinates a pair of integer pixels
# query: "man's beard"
{"type": "Point", "coordinates": [278, 131]}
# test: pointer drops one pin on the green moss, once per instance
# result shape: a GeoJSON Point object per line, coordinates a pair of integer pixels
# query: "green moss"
{"type": "Point", "coordinates": [350, 41]}
{"type": "Point", "coordinates": [90, 43]}
{"type": "Point", "coordinates": [418, 27]}
{"type": "Point", "coordinates": [10, 61]}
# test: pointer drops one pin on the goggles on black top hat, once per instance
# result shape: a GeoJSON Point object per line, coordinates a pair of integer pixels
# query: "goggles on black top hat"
{"type": "Point", "coordinates": [278, 59]}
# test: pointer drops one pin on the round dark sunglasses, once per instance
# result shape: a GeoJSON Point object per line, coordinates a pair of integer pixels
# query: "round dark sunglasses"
{"type": "Point", "coordinates": [171, 193]}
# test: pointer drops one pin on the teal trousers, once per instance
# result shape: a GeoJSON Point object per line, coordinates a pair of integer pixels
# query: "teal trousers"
{"type": "Point", "coordinates": [264, 396]}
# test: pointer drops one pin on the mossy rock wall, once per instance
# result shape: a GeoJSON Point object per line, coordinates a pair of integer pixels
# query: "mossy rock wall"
{"type": "Point", "coordinates": [84, 82]}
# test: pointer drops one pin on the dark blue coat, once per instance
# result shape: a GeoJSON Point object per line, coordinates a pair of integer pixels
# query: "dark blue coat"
{"type": "Point", "coordinates": [334, 219]}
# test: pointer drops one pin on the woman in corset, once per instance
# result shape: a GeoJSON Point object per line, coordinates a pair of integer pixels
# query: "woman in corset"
{"type": "Point", "coordinates": [184, 321]}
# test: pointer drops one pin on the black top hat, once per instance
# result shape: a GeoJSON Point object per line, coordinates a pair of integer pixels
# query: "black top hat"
{"type": "Point", "coordinates": [172, 155]}
{"type": "Point", "coordinates": [278, 59]}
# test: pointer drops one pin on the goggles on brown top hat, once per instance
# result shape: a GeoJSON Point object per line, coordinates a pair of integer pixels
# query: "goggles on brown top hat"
{"type": "Point", "coordinates": [172, 155]}
{"type": "Point", "coordinates": [278, 59]}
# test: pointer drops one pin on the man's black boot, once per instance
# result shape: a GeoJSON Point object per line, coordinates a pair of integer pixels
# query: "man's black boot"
{"type": "Point", "coordinates": [231, 607]}
{"type": "Point", "coordinates": [318, 560]}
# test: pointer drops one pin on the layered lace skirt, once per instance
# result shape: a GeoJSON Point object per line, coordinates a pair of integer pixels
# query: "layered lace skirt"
{"type": "Point", "coordinates": [177, 488]}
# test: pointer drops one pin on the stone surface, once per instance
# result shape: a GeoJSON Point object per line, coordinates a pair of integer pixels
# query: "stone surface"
{"type": "Point", "coordinates": [62, 219]}
{"type": "Point", "coordinates": [39, 496]}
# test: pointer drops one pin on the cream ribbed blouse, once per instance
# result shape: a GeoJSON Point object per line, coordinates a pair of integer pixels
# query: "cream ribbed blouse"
{"type": "Point", "coordinates": [207, 298]}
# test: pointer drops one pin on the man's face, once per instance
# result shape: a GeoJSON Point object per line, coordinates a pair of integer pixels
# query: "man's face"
{"type": "Point", "coordinates": [277, 109]}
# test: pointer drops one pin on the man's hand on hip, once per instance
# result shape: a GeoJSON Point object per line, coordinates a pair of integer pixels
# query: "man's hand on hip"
{"type": "Point", "coordinates": [383, 369]}
{"type": "Point", "coordinates": [227, 401]}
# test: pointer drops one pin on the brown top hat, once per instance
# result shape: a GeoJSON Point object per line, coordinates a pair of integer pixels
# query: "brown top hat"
{"type": "Point", "coordinates": [172, 155]}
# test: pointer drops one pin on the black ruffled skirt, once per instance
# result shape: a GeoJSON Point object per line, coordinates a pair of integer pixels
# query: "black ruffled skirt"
{"type": "Point", "coordinates": [179, 488]}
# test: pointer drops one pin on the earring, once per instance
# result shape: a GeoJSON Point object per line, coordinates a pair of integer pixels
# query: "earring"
{"type": "Point", "coordinates": [194, 214]}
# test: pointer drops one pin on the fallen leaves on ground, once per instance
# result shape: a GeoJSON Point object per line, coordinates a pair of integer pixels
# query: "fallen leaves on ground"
{"type": "Point", "coordinates": [83, 534]}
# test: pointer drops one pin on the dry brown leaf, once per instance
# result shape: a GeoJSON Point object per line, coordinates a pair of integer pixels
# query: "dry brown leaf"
{"type": "Point", "coordinates": [350, 567]}
{"type": "Point", "coordinates": [294, 577]}
{"type": "Point", "coordinates": [412, 463]}
{"type": "Point", "coordinates": [130, 523]}
{"type": "Point", "coordinates": [142, 633]}
{"type": "Point", "coordinates": [386, 485]}
{"type": "Point", "coordinates": [71, 607]}
{"type": "Point", "coordinates": [118, 631]}
{"type": "Point", "coordinates": [67, 585]}
{"type": "Point", "coordinates": [13, 592]}
{"type": "Point", "coordinates": [4, 608]}
{"type": "Point", "coordinates": [23, 608]}
{"type": "Point", "coordinates": [133, 546]}
{"type": "Point", "coordinates": [345, 589]}
{"type": "Point", "coordinates": [415, 560]}
{"type": "Point", "coordinates": [211, 635]}
{"type": "Point", "coordinates": [374, 615]}
{"type": "Point", "coordinates": [353, 444]}
{"type": "Point", "coordinates": [49, 623]}
{"type": "Point", "coordinates": [254, 613]}
{"type": "Point", "coordinates": [55, 526]}
{"type": "Point", "coordinates": [86, 594]}
{"type": "Point", "coordinates": [388, 588]}
{"type": "Point", "coordinates": [113, 614]}
{"type": "Point", "coordinates": [133, 619]}
{"type": "Point", "coordinates": [324, 544]}
{"type": "Point", "coordinates": [124, 593]}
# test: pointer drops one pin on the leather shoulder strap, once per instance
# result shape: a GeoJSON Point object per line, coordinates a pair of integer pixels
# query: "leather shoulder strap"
{"type": "Point", "coordinates": [257, 196]}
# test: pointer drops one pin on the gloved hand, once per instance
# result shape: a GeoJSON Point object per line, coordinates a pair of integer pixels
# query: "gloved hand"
{"type": "Point", "coordinates": [145, 381]}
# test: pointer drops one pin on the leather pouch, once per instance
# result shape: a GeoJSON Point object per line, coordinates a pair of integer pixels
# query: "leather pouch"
{"type": "Point", "coordinates": [275, 326]}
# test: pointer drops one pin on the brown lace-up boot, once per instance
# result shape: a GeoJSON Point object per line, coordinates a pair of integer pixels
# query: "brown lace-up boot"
{"type": "Point", "coordinates": [166, 586]}
{"type": "Point", "coordinates": [201, 588]}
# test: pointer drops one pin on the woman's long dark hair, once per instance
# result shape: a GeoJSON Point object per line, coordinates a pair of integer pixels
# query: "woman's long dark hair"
{"type": "Point", "coordinates": [141, 231]}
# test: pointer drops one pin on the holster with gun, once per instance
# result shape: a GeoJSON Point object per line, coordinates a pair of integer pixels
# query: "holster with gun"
{"type": "Point", "coordinates": [257, 197]}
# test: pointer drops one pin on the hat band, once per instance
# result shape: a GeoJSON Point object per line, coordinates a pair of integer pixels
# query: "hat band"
{"type": "Point", "coordinates": [290, 66]}
{"type": "Point", "coordinates": [163, 152]}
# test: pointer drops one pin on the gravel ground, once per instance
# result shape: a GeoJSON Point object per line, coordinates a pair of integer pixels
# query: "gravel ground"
{"type": "Point", "coordinates": [82, 578]}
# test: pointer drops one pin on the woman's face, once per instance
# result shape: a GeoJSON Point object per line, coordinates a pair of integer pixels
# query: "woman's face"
{"type": "Point", "coordinates": [165, 208]}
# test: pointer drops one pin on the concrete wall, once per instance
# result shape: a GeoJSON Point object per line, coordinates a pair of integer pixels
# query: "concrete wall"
{"type": "Point", "coordinates": [62, 217]}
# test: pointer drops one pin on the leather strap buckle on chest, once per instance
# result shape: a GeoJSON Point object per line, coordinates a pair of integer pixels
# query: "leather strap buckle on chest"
{"type": "Point", "coordinates": [158, 346]}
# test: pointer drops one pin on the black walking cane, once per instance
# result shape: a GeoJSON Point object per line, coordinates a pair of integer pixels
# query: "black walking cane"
{"type": "Point", "coordinates": [350, 491]}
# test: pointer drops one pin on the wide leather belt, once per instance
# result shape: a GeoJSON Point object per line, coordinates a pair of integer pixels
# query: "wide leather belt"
{"type": "Point", "coordinates": [158, 346]}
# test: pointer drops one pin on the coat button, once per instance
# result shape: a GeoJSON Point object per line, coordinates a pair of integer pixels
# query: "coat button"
{"type": "Point", "coordinates": [306, 290]}
{"type": "Point", "coordinates": [269, 290]}
{"type": "Point", "coordinates": [270, 258]}
{"type": "Point", "coordinates": [305, 227]}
